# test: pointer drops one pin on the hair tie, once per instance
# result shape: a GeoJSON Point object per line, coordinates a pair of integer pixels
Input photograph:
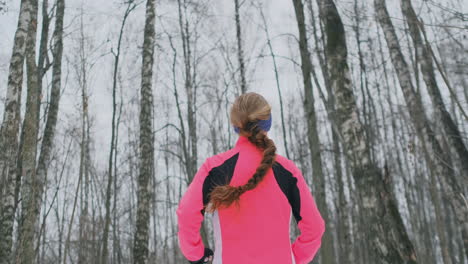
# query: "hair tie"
{"type": "Point", "coordinates": [264, 125]}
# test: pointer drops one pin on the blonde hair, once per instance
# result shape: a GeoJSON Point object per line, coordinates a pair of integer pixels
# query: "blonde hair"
{"type": "Point", "coordinates": [246, 111]}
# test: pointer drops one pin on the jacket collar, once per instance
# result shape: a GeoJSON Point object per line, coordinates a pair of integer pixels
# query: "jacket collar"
{"type": "Point", "coordinates": [242, 140]}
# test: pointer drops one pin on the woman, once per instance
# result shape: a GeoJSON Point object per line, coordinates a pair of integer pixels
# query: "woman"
{"type": "Point", "coordinates": [252, 193]}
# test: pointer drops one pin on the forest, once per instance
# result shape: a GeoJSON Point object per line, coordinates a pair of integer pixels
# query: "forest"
{"type": "Point", "coordinates": [109, 108]}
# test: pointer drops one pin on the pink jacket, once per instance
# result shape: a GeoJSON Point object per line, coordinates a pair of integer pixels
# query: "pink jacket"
{"type": "Point", "coordinates": [258, 230]}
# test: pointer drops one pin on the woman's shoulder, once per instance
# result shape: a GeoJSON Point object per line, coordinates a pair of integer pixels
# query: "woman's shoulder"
{"type": "Point", "coordinates": [285, 163]}
{"type": "Point", "coordinates": [220, 158]}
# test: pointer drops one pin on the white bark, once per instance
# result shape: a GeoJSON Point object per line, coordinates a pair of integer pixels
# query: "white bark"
{"type": "Point", "coordinates": [9, 131]}
{"type": "Point", "coordinates": [435, 154]}
{"type": "Point", "coordinates": [27, 158]}
{"type": "Point", "coordinates": [327, 252]}
{"type": "Point", "coordinates": [385, 230]}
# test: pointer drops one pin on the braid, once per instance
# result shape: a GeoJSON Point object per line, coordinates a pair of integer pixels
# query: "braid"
{"type": "Point", "coordinates": [224, 196]}
{"type": "Point", "coordinates": [269, 152]}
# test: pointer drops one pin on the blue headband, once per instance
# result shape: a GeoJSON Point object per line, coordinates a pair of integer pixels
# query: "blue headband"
{"type": "Point", "coordinates": [264, 125]}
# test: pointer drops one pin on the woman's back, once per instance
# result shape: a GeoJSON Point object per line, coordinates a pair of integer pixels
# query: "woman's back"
{"type": "Point", "coordinates": [252, 192]}
{"type": "Point", "coordinates": [256, 230]}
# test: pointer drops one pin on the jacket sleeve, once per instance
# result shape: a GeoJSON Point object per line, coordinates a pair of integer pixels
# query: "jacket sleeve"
{"type": "Point", "coordinates": [190, 217]}
{"type": "Point", "coordinates": [311, 225]}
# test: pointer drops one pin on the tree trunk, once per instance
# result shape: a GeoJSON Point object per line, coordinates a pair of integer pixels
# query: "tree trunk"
{"type": "Point", "coordinates": [10, 128]}
{"type": "Point", "coordinates": [190, 91]}
{"type": "Point", "coordinates": [327, 251]}
{"type": "Point", "coordinates": [435, 154]}
{"type": "Point", "coordinates": [423, 53]}
{"type": "Point", "coordinates": [140, 249]}
{"type": "Point", "coordinates": [385, 229]}
{"type": "Point", "coordinates": [115, 210]}
{"type": "Point", "coordinates": [345, 249]}
{"type": "Point", "coordinates": [43, 59]}
{"type": "Point", "coordinates": [190, 148]}
{"type": "Point", "coordinates": [240, 53]}
{"type": "Point", "coordinates": [85, 250]}
{"type": "Point", "coordinates": [112, 152]}
{"type": "Point", "coordinates": [425, 60]}
{"type": "Point", "coordinates": [27, 156]}
{"type": "Point", "coordinates": [72, 218]}
{"type": "Point", "coordinates": [49, 131]}
{"type": "Point", "coordinates": [275, 68]}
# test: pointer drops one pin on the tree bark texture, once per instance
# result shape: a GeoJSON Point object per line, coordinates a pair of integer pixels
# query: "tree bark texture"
{"type": "Point", "coordinates": [385, 229]}
{"type": "Point", "coordinates": [434, 152]}
{"type": "Point", "coordinates": [327, 251]}
{"type": "Point", "coordinates": [424, 58]}
{"type": "Point", "coordinates": [240, 52]}
{"type": "Point", "coordinates": [27, 156]}
{"type": "Point", "coordinates": [10, 128]}
{"type": "Point", "coordinates": [49, 131]}
{"type": "Point", "coordinates": [140, 249]}
{"type": "Point", "coordinates": [423, 53]}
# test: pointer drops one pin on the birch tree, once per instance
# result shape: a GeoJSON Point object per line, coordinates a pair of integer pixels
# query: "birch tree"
{"type": "Point", "coordinates": [434, 154]}
{"type": "Point", "coordinates": [52, 113]}
{"type": "Point", "coordinates": [140, 249]}
{"type": "Point", "coordinates": [343, 217]}
{"type": "Point", "coordinates": [240, 52]}
{"type": "Point", "coordinates": [424, 57]}
{"type": "Point", "coordinates": [10, 128]}
{"type": "Point", "coordinates": [27, 156]}
{"type": "Point", "coordinates": [385, 229]}
{"type": "Point", "coordinates": [327, 251]}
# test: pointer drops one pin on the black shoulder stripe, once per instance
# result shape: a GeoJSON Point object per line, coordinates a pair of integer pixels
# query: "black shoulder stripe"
{"type": "Point", "coordinates": [288, 185]}
{"type": "Point", "coordinates": [220, 175]}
